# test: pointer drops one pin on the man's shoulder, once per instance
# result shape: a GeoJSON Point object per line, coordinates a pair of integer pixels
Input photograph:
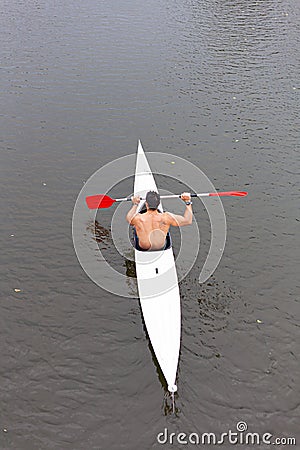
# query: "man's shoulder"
{"type": "Point", "coordinates": [166, 215]}
{"type": "Point", "coordinates": [137, 217]}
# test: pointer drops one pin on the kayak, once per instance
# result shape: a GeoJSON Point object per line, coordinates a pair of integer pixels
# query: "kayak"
{"type": "Point", "coordinates": [156, 275]}
{"type": "Point", "coordinates": [158, 286]}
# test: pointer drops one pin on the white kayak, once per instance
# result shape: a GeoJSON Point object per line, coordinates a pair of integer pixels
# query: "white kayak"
{"type": "Point", "coordinates": [158, 287]}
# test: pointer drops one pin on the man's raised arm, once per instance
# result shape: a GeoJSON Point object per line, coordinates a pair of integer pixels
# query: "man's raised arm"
{"type": "Point", "coordinates": [132, 213]}
{"type": "Point", "coordinates": [187, 218]}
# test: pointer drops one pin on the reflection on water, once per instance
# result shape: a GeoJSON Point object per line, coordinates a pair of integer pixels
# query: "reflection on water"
{"type": "Point", "coordinates": [130, 268]}
{"type": "Point", "coordinates": [100, 234]}
{"type": "Point", "coordinates": [103, 237]}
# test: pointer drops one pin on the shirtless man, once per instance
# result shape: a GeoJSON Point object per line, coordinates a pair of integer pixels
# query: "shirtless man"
{"type": "Point", "coordinates": [152, 226]}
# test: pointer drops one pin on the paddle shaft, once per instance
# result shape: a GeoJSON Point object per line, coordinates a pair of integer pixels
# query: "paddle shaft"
{"type": "Point", "coordinates": [104, 201]}
{"type": "Point", "coordinates": [128, 199]}
{"type": "Point", "coordinates": [208, 194]}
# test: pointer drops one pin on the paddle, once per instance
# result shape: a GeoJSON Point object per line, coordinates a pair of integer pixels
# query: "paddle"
{"type": "Point", "coordinates": [104, 201]}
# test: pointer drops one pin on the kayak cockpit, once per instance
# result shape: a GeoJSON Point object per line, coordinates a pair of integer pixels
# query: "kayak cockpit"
{"type": "Point", "coordinates": [168, 243]}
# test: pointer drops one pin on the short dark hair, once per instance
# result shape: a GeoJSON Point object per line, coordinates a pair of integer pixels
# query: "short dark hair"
{"type": "Point", "coordinates": [153, 199]}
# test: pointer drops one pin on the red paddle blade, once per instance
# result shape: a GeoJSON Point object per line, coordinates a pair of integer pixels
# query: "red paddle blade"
{"type": "Point", "coordinates": [99, 201]}
{"type": "Point", "coordinates": [232, 193]}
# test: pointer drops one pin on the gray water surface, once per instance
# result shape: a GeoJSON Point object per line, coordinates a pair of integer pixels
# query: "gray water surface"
{"type": "Point", "coordinates": [215, 82]}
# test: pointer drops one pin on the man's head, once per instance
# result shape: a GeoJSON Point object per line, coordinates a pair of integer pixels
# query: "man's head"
{"type": "Point", "coordinates": [152, 199]}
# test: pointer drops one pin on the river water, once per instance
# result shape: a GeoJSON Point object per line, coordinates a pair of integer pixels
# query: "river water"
{"type": "Point", "coordinates": [215, 82]}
